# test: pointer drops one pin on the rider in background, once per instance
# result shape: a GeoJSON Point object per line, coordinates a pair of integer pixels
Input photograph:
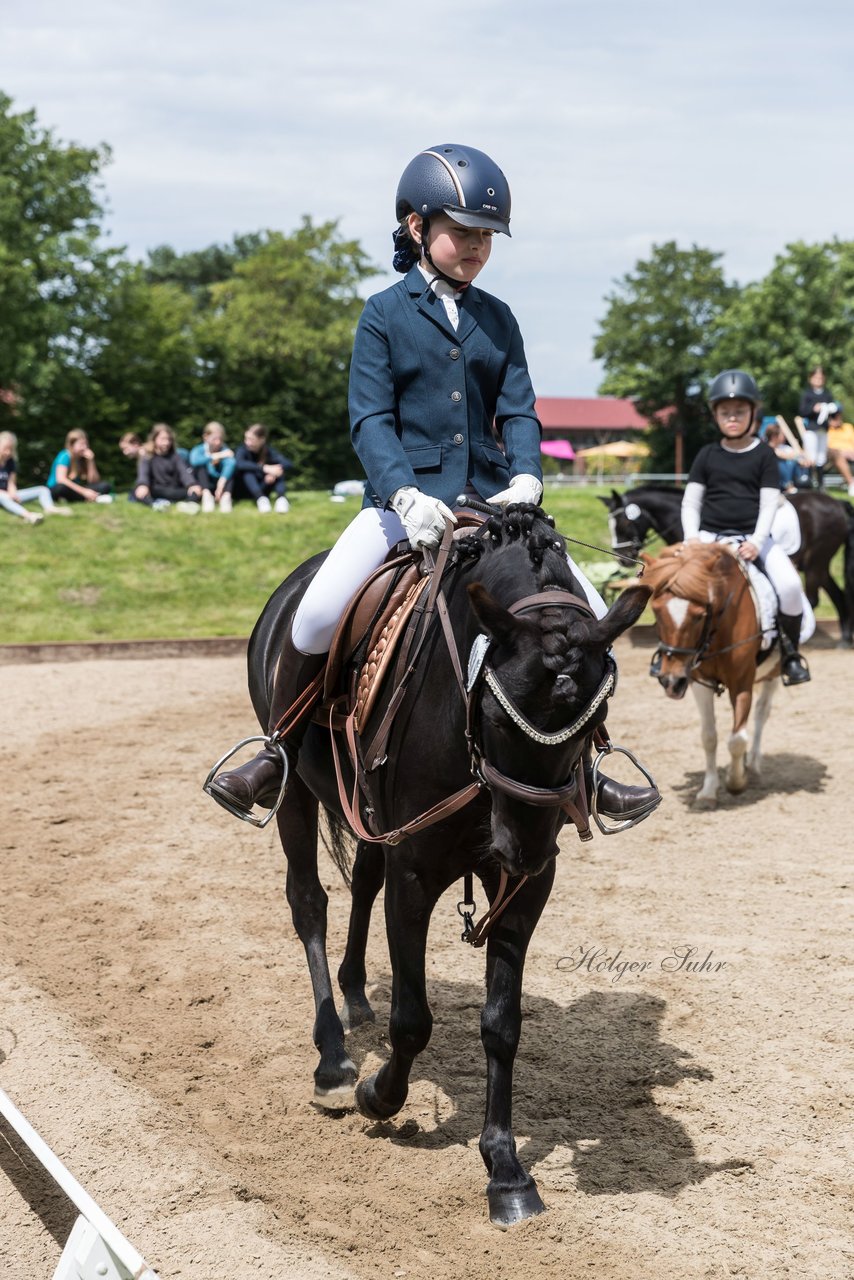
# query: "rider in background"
{"type": "Point", "coordinates": [733, 488]}
{"type": "Point", "coordinates": [435, 363]}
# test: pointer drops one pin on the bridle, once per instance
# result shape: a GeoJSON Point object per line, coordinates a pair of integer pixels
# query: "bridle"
{"type": "Point", "coordinates": [699, 653]}
{"type": "Point", "coordinates": [481, 675]}
{"type": "Point", "coordinates": [634, 544]}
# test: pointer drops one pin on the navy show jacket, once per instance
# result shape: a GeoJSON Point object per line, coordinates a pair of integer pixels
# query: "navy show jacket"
{"type": "Point", "coordinates": [424, 397]}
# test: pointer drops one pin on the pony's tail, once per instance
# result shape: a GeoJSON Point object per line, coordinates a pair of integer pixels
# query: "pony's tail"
{"type": "Point", "coordinates": [339, 843]}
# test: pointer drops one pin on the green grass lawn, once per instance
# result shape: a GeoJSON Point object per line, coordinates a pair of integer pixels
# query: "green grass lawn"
{"type": "Point", "coordinates": [123, 572]}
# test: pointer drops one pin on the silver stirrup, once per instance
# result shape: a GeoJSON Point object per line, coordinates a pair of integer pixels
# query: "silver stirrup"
{"type": "Point", "coordinates": [594, 802]}
{"type": "Point", "coordinates": [271, 741]}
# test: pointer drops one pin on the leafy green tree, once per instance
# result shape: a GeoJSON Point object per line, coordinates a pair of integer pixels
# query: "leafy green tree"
{"type": "Point", "coordinates": [654, 341]}
{"type": "Point", "coordinates": [54, 272]}
{"type": "Point", "coordinates": [801, 314]}
{"type": "Point", "coordinates": [277, 342]}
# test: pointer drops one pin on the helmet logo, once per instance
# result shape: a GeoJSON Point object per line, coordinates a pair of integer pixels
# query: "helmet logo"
{"type": "Point", "coordinates": [490, 191]}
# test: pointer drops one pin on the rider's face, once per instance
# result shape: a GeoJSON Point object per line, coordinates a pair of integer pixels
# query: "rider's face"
{"type": "Point", "coordinates": [458, 252]}
{"type": "Point", "coordinates": [733, 417]}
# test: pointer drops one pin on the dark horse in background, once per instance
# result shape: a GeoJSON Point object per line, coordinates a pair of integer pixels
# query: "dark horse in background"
{"type": "Point", "coordinates": [521, 731]}
{"type": "Point", "coordinates": [826, 524]}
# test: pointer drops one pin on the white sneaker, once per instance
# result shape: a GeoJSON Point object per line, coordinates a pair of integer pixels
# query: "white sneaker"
{"type": "Point", "coordinates": [32, 517]}
{"type": "Point", "coordinates": [189, 508]}
{"type": "Point", "coordinates": [264, 504]}
{"type": "Point", "coordinates": [208, 500]}
{"type": "Point", "coordinates": [104, 497]}
{"type": "Point", "coordinates": [225, 503]}
{"type": "Point", "coordinates": [57, 511]}
{"type": "Point", "coordinates": [160, 504]}
{"type": "Point", "coordinates": [282, 506]}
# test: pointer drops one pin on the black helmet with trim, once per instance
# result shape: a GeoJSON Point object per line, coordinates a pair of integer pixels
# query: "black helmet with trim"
{"type": "Point", "coordinates": [733, 384]}
{"type": "Point", "coordinates": [459, 181]}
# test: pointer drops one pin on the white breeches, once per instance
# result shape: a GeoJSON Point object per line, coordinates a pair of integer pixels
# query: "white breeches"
{"type": "Point", "coordinates": [815, 447]}
{"type": "Point", "coordinates": [13, 505]}
{"type": "Point", "coordinates": [780, 572]}
{"type": "Point", "coordinates": [361, 549]}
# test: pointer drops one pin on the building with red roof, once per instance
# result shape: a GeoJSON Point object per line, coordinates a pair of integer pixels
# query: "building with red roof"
{"type": "Point", "coordinates": [589, 420]}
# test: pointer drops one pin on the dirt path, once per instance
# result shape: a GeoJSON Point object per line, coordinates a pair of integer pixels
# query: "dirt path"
{"type": "Point", "coordinates": [156, 1014]}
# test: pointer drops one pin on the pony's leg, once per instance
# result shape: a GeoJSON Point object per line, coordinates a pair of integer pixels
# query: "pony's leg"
{"type": "Point", "coordinates": [736, 779]}
{"type": "Point", "coordinates": [368, 874]}
{"type": "Point", "coordinates": [335, 1075]}
{"type": "Point", "coordinates": [409, 902]}
{"type": "Point", "coordinates": [707, 796]}
{"type": "Point", "coordinates": [760, 715]}
{"type": "Point", "coordinates": [511, 1192]}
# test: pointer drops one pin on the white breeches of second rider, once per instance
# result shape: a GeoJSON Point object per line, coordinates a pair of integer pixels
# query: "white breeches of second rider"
{"type": "Point", "coordinates": [360, 550]}
{"type": "Point", "coordinates": [780, 572]}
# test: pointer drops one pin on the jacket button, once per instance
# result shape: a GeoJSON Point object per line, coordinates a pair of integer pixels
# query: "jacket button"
{"type": "Point", "coordinates": [456, 396]}
{"type": "Point", "coordinates": [454, 353]}
{"type": "Point", "coordinates": [458, 439]}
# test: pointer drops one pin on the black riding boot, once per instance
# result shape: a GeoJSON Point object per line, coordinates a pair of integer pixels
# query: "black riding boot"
{"type": "Point", "coordinates": [258, 781]}
{"type": "Point", "coordinates": [618, 800]}
{"type": "Point", "coordinates": [793, 667]}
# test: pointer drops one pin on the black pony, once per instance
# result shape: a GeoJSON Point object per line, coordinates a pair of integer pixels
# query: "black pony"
{"type": "Point", "coordinates": [537, 685]}
{"type": "Point", "coordinates": [826, 524]}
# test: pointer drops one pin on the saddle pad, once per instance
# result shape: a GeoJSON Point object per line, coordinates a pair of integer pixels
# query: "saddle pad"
{"type": "Point", "coordinates": [765, 601]}
{"type": "Point", "coordinates": [377, 663]}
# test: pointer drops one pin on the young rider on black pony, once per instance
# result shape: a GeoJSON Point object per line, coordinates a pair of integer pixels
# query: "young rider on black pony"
{"type": "Point", "coordinates": [435, 363]}
{"type": "Point", "coordinates": [734, 487]}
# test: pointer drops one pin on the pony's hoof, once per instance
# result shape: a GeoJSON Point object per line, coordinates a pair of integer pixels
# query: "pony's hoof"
{"type": "Point", "coordinates": [356, 1013]}
{"type": "Point", "coordinates": [369, 1104]}
{"type": "Point", "coordinates": [506, 1208]}
{"type": "Point", "coordinates": [705, 804]}
{"type": "Point", "coordinates": [341, 1097]}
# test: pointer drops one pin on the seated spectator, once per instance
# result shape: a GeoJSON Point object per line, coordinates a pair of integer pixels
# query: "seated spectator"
{"type": "Point", "coordinates": [793, 464]}
{"type": "Point", "coordinates": [11, 497]}
{"type": "Point", "coordinates": [840, 446]}
{"type": "Point", "coordinates": [163, 476]}
{"type": "Point", "coordinates": [74, 472]}
{"type": "Point", "coordinates": [260, 471]}
{"type": "Point", "coordinates": [213, 464]}
{"type": "Point", "coordinates": [131, 445]}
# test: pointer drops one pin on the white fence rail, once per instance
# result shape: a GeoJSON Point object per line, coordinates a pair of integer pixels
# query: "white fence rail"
{"type": "Point", "coordinates": [96, 1249]}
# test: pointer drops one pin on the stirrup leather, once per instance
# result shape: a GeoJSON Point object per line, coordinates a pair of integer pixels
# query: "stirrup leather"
{"type": "Point", "coordinates": [273, 742]}
{"type": "Point", "coordinates": [603, 752]}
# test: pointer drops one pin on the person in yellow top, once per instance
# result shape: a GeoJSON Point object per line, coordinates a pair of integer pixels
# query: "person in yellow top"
{"type": "Point", "coordinates": [840, 446]}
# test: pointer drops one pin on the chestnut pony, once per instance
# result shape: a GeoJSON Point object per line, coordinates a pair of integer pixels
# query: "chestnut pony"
{"type": "Point", "coordinates": [710, 637]}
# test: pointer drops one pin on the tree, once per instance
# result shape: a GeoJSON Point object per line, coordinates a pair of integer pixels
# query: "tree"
{"type": "Point", "coordinates": [278, 338]}
{"type": "Point", "coordinates": [662, 320]}
{"type": "Point", "coordinates": [801, 314]}
{"type": "Point", "coordinates": [54, 272]}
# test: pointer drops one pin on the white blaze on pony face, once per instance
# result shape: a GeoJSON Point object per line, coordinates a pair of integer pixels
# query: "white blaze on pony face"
{"type": "Point", "coordinates": [678, 610]}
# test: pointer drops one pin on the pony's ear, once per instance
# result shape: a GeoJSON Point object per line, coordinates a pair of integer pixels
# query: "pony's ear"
{"type": "Point", "coordinates": [623, 614]}
{"type": "Point", "coordinates": [496, 621]}
{"type": "Point", "coordinates": [609, 502]}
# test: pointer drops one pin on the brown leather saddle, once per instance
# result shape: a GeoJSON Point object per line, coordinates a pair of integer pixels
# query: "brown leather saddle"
{"type": "Point", "coordinates": [372, 626]}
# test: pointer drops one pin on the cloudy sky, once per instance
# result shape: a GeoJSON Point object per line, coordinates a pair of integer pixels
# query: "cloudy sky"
{"type": "Point", "coordinates": [619, 125]}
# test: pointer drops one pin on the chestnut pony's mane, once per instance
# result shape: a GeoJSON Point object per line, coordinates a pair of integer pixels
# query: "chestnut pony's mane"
{"type": "Point", "coordinates": [693, 571]}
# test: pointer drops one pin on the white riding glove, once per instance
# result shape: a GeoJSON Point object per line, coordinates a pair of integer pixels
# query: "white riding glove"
{"type": "Point", "coordinates": [422, 517]}
{"type": "Point", "coordinates": [522, 489]}
{"type": "Point", "coordinates": [825, 411]}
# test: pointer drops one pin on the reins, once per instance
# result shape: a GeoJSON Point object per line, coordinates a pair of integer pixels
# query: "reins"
{"type": "Point", "coordinates": [569, 796]}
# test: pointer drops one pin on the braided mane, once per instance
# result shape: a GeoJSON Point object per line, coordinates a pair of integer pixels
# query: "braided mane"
{"type": "Point", "coordinates": [693, 571]}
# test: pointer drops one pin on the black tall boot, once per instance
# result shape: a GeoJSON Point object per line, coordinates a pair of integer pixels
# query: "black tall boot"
{"type": "Point", "coordinates": [258, 781]}
{"type": "Point", "coordinates": [793, 667]}
{"type": "Point", "coordinates": [619, 801]}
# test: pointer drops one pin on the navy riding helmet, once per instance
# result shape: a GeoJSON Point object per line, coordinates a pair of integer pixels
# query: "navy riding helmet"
{"type": "Point", "coordinates": [459, 181]}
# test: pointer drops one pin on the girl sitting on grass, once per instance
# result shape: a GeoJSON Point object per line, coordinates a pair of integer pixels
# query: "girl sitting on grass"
{"type": "Point", "coordinates": [11, 497]}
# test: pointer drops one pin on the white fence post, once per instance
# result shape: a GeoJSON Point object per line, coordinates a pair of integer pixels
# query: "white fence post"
{"type": "Point", "coordinates": [96, 1249]}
